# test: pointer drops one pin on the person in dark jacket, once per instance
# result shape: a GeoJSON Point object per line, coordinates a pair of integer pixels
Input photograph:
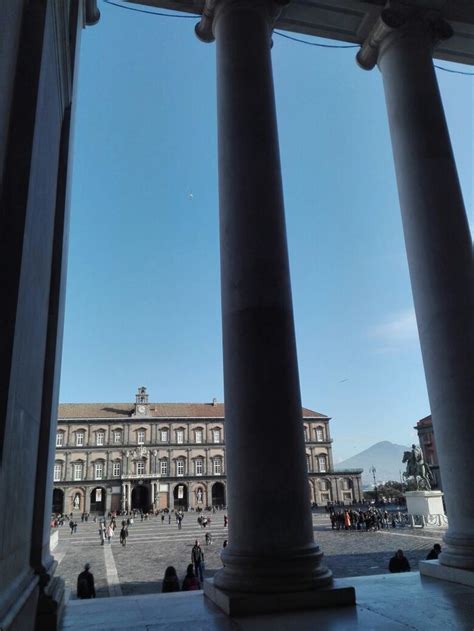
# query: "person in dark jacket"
{"type": "Point", "coordinates": [190, 581]}
{"type": "Point", "coordinates": [85, 583]}
{"type": "Point", "coordinates": [399, 563]}
{"type": "Point", "coordinates": [170, 580]}
{"type": "Point", "coordinates": [434, 553]}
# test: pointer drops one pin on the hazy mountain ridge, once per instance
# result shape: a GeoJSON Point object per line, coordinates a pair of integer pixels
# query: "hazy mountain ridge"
{"type": "Point", "coordinates": [385, 456]}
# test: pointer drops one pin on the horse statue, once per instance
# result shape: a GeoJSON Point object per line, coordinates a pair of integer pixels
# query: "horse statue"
{"type": "Point", "coordinates": [417, 469]}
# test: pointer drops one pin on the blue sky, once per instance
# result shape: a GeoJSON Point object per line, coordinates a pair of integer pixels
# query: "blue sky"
{"type": "Point", "coordinates": [143, 304]}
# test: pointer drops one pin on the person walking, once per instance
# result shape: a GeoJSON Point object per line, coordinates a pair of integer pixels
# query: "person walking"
{"type": "Point", "coordinates": [197, 558]}
{"type": "Point", "coordinates": [110, 533]}
{"type": "Point", "coordinates": [399, 563]}
{"type": "Point", "coordinates": [190, 582]}
{"type": "Point", "coordinates": [170, 581]}
{"type": "Point", "coordinates": [123, 535]}
{"type": "Point", "coordinates": [85, 583]}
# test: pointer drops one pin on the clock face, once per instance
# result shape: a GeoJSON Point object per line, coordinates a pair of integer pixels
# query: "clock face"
{"type": "Point", "coordinates": [141, 409]}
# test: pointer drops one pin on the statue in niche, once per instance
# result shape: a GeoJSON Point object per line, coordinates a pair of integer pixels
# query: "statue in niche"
{"type": "Point", "coordinates": [76, 503]}
{"type": "Point", "coordinates": [199, 495]}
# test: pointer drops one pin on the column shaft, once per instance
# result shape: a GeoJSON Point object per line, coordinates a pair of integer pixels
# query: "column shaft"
{"type": "Point", "coordinates": [439, 250]}
{"type": "Point", "coordinates": [270, 549]}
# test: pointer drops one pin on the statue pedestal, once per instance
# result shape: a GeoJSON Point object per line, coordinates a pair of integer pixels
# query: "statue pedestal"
{"type": "Point", "coordinates": [425, 503]}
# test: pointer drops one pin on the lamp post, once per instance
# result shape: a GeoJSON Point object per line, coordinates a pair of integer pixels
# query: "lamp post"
{"type": "Point", "coordinates": [373, 471]}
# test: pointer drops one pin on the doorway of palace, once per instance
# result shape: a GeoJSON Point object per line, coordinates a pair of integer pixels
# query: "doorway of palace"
{"type": "Point", "coordinates": [58, 501]}
{"type": "Point", "coordinates": [140, 497]}
{"type": "Point", "coordinates": [180, 496]}
{"type": "Point", "coordinates": [98, 500]}
{"type": "Point", "coordinates": [218, 494]}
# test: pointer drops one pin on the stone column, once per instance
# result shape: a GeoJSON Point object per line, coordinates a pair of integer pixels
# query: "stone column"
{"type": "Point", "coordinates": [270, 550]}
{"type": "Point", "coordinates": [129, 495]}
{"type": "Point", "coordinates": [439, 251]}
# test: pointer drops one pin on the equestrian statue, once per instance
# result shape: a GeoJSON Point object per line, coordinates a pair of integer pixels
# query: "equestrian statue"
{"type": "Point", "coordinates": [417, 469]}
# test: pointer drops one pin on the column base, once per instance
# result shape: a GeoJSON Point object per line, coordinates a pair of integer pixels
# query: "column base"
{"type": "Point", "coordinates": [434, 569]}
{"type": "Point", "coordinates": [240, 604]}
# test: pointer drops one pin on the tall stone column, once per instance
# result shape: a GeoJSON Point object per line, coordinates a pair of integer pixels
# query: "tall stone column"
{"type": "Point", "coordinates": [439, 251]}
{"type": "Point", "coordinates": [270, 549]}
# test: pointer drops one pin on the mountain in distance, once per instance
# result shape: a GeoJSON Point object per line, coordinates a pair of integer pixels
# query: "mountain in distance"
{"type": "Point", "coordinates": [385, 456]}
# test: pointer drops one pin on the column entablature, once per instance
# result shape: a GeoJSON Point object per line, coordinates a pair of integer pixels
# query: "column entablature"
{"type": "Point", "coordinates": [396, 22]}
{"type": "Point", "coordinates": [213, 9]}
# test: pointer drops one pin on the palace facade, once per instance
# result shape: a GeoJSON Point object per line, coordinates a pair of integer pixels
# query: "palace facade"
{"type": "Point", "coordinates": [119, 456]}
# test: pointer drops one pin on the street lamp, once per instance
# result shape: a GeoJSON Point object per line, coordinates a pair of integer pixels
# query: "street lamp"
{"type": "Point", "coordinates": [373, 471]}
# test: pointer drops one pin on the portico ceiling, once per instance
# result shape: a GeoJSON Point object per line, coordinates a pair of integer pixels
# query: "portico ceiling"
{"type": "Point", "coordinates": [351, 20]}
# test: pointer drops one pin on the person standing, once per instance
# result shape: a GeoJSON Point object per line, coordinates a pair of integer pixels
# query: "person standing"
{"type": "Point", "coordinates": [197, 558]}
{"type": "Point", "coordinates": [85, 583]}
{"type": "Point", "coordinates": [399, 563]}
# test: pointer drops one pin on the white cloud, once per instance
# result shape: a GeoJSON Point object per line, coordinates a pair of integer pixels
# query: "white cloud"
{"type": "Point", "coordinates": [398, 330]}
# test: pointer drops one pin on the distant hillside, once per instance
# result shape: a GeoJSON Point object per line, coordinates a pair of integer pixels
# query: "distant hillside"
{"type": "Point", "coordinates": [386, 457]}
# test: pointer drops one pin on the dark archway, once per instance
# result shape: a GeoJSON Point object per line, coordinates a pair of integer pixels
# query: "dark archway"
{"type": "Point", "coordinates": [180, 495]}
{"type": "Point", "coordinates": [98, 500]}
{"type": "Point", "coordinates": [140, 499]}
{"type": "Point", "coordinates": [218, 494]}
{"type": "Point", "coordinates": [58, 501]}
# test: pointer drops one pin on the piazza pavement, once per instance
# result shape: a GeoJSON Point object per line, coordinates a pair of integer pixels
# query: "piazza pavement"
{"type": "Point", "coordinates": [152, 545]}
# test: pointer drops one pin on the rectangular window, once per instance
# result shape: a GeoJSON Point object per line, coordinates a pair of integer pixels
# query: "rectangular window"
{"type": "Point", "coordinates": [99, 470]}
{"type": "Point", "coordinates": [140, 437]}
{"type": "Point", "coordinates": [78, 471]}
{"type": "Point", "coordinates": [100, 438]}
{"type": "Point", "coordinates": [57, 472]}
{"type": "Point", "coordinates": [199, 435]}
{"type": "Point", "coordinates": [59, 439]}
{"type": "Point", "coordinates": [180, 436]}
{"type": "Point", "coordinates": [180, 467]}
{"type": "Point", "coordinates": [216, 435]}
{"type": "Point", "coordinates": [198, 466]}
{"type": "Point", "coordinates": [117, 437]}
{"type": "Point", "coordinates": [140, 468]}
{"type": "Point", "coordinates": [164, 435]}
{"type": "Point", "coordinates": [164, 467]}
{"type": "Point", "coordinates": [217, 466]}
{"type": "Point", "coordinates": [116, 469]}
{"type": "Point", "coordinates": [322, 464]}
{"type": "Point", "coordinates": [80, 439]}
{"type": "Point", "coordinates": [319, 435]}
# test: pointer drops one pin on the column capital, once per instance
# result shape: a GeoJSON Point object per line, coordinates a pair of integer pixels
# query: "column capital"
{"type": "Point", "coordinates": [214, 8]}
{"type": "Point", "coordinates": [400, 21]}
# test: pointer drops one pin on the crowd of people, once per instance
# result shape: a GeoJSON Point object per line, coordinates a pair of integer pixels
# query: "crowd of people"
{"type": "Point", "coordinates": [368, 518]}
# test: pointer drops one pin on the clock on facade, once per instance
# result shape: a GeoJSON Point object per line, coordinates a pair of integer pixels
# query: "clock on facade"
{"type": "Point", "coordinates": [142, 409]}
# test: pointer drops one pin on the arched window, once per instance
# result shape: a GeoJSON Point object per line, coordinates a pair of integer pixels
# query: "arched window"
{"type": "Point", "coordinates": [217, 465]}
{"type": "Point", "coordinates": [58, 471]}
{"type": "Point", "coordinates": [322, 461]}
{"type": "Point", "coordinates": [99, 470]}
{"type": "Point", "coordinates": [118, 434]}
{"type": "Point", "coordinates": [319, 434]}
{"type": "Point", "coordinates": [198, 466]}
{"type": "Point", "coordinates": [180, 467]}
{"type": "Point", "coordinates": [60, 439]}
{"type": "Point", "coordinates": [80, 438]}
{"type": "Point", "coordinates": [100, 438]}
{"type": "Point", "coordinates": [198, 435]}
{"type": "Point", "coordinates": [77, 470]}
{"type": "Point", "coordinates": [164, 466]}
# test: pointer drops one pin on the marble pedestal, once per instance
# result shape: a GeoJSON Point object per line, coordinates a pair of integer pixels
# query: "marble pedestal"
{"type": "Point", "coordinates": [245, 604]}
{"type": "Point", "coordinates": [435, 569]}
{"type": "Point", "coordinates": [425, 503]}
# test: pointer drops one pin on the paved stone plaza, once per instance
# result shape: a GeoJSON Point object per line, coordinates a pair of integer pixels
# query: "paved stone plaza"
{"type": "Point", "coordinates": [152, 546]}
